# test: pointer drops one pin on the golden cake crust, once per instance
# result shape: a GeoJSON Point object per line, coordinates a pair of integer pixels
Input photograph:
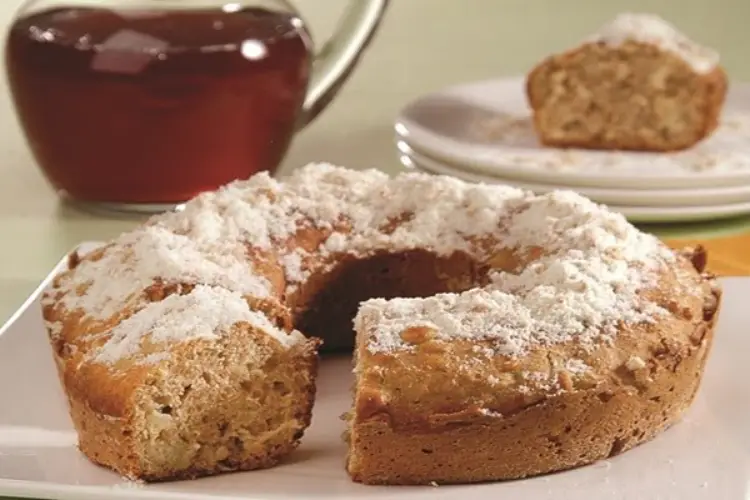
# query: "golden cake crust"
{"type": "Point", "coordinates": [439, 414]}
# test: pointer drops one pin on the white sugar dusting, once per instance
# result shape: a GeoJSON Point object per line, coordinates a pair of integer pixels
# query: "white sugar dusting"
{"type": "Point", "coordinates": [154, 253]}
{"type": "Point", "coordinates": [583, 287]}
{"type": "Point", "coordinates": [54, 327]}
{"type": "Point", "coordinates": [652, 29]}
{"type": "Point", "coordinates": [224, 241]}
{"type": "Point", "coordinates": [293, 267]}
{"type": "Point", "coordinates": [204, 313]}
{"type": "Point", "coordinates": [541, 380]}
{"type": "Point", "coordinates": [576, 366]}
{"type": "Point", "coordinates": [208, 241]}
{"type": "Point", "coordinates": [490, 413]}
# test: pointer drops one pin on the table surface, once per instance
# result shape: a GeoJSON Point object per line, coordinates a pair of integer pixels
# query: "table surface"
{"type": "Point", "coordinates": [422, 46]}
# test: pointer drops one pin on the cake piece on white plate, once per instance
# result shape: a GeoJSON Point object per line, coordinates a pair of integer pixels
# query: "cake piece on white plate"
{"type": "Point", "coordinates": [636, 84]}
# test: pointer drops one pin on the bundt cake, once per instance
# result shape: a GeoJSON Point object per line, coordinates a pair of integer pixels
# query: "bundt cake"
{"type": "Point", "coordinates": [499, 334]}
{"type": "Point", "coordinates": [637, 84]}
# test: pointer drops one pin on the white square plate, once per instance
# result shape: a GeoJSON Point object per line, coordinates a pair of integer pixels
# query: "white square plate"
{"type": "Point", "coordinates": [707, 455]}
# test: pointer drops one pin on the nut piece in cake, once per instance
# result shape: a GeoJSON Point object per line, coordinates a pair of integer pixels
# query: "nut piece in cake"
{"type": "Point", "coordinates": [637, 84]}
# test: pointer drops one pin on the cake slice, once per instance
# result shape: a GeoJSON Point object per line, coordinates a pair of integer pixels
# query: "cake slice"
{"type": "Point", "coordinates": [485, 385]}
{"type": "Point", "coordinates": [193, 384]}
{"type": "Point", "coordinates": [637, 84]}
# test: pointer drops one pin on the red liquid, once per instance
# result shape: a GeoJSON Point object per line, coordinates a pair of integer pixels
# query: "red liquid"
{"type": "Point", "coordinates": [155, 107]}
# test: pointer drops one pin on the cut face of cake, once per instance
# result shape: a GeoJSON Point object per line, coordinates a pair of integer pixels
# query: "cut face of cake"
{"type": "Point", "coordinates": [636, 84]}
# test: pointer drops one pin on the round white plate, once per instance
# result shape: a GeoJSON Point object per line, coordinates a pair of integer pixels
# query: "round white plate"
{"type": "Point", "coordinates": [486, 126]}
{"type": "Point", "coordinates": [631, 197]}
{"type": "Point", "coordinates": [682, 214]}
{"type": "Point", "coordinates": [632, 213]}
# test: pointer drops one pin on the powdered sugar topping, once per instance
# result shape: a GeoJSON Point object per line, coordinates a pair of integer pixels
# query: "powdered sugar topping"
{"type": "Point", "coordinates": [585, 284]}
{"type": "Point", "coordinates": [588, 278]}
{"type": "Point", "coordinates": [154, 253]}
{"type": "Point", "coordinates": [652, 29]}
{"type": "Point", "coordinates": [209, 241]}
{"type": "Point", "coordinates": [576, 366]}
{"type": "Point", "coordinates": [204, 313]}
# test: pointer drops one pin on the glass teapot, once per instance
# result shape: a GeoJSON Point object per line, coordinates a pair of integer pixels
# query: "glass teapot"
{"type": "Point", "coordinates": [142, 104]}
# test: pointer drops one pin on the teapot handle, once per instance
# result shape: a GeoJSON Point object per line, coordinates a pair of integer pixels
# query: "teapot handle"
{"type": "Point", "coordinates": [340, 54]}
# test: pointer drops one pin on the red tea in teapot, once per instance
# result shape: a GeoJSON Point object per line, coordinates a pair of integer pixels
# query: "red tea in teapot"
{"type": "Point", "coordinates": [156, 106]}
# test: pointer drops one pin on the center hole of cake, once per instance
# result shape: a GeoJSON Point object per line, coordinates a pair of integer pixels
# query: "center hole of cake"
{"type": "Point", "coordinates": [328, 302]}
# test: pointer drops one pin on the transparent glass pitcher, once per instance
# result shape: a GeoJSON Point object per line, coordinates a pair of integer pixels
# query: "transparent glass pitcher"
{"type": "Point", "coordinates": [142, 104]}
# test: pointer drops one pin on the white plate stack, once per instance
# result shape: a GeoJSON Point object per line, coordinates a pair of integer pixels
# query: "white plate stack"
{"type": "Point", "coordinates": [483, 132]}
